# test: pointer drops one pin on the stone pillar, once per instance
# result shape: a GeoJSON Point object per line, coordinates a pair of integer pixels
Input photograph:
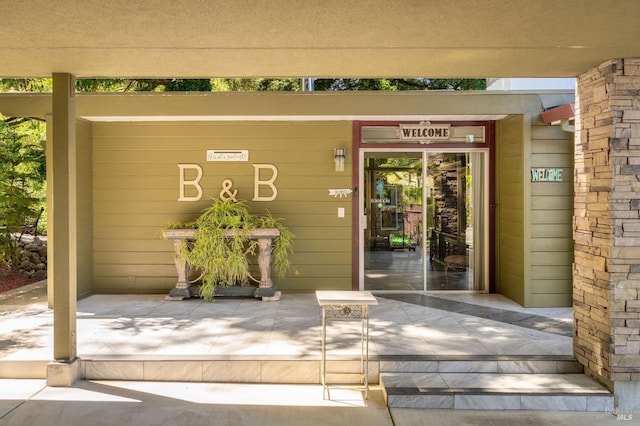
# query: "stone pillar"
{"type": "Point", "coordinates": [606, 271]}
{"type": "Point", "coordinates": [61, 160]}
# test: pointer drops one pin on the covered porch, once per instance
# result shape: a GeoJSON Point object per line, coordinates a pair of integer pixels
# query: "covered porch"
{"type": "Point", "coordinates": [462, 38]}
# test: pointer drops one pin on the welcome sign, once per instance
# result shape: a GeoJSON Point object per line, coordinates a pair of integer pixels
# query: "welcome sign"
{"type": "Point", "coordinates": [424, 132]}
{"type": "Point", "coordinates": [547, 174]}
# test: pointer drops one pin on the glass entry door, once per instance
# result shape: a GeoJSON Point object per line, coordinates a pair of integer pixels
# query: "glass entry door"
{"type": "Point", "coordinates": [422, 223]}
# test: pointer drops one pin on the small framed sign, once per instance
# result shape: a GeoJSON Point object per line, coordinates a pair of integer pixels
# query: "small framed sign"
{"type": "Point", "coordinates": [227, 155]}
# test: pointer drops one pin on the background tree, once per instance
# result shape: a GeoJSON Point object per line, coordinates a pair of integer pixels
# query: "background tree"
{"type": "Point", "coordinates": [22, 181]}
{"type": "Point", "coordinates": [247, 84]}
{"type": "Point", "coordinates": [395, 84]}
{"type": "Point", "coordinates": [347, 84]}
{"type": "Point", "coordinates": [144, 85]}
{"type": "Point", "coordinates": [26, 85]}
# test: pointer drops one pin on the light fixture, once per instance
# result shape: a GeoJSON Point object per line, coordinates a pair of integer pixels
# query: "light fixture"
{"type": "Point", "coordinates": [339, 157]}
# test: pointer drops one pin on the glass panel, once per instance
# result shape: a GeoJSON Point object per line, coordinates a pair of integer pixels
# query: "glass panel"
{"type": "Point", "coordinates": [393, 255]}
{"type": "Point", "coordinates": [424, 226]}
{"type": "Point", "coordinates": [450, 221]}
{"type": "Point", "coordinates": [478, 243]}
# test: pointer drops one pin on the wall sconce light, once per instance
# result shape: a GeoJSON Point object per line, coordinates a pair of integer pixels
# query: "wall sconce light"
{"type": "Point", "coordinates": [339, 157]}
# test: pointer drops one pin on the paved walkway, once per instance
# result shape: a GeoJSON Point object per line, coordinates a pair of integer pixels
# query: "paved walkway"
{"type": "Point", "coordinates": [95, 403]}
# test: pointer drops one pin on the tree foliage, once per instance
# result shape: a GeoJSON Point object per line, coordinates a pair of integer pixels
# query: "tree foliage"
{"type": "Point", "coordinates": [22, 181]}
{"type": "Point", "coordinates": [247, 84]}
{"type": "Point", "coordinates": [396, 84]}
{"type": "Point", "coordinates": [26, 85]}
{"type": "Point", "coordinates": [144, 85]}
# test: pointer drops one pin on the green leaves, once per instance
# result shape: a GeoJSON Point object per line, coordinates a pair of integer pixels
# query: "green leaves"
{"type": "Point", "coordinates": [282, 246]}
{"type": "Point", "coordinates": [22, 176]}
{"type": "Point", "coordinates": [223, 248]}
{"type": "Point", "coordinates": [246, 84]}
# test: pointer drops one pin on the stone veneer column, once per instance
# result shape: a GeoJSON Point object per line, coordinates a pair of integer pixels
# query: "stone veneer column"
{"type": "Point", "coordinates": [606, 272]}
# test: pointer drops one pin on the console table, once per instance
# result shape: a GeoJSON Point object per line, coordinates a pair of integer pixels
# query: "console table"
{"type": "Point", "coordinates": [266, 290]}
{"type": "Point", "coordinates": [346, 305]}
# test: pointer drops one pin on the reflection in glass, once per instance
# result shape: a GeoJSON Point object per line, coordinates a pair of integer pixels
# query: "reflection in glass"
{"type": "Point", "coordinates": [421, 222]}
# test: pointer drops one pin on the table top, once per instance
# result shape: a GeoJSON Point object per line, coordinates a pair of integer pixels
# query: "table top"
{"type": "Point", "coordinates": [326, 298]}
{"type": "Point", "coordinates": [190, 234]}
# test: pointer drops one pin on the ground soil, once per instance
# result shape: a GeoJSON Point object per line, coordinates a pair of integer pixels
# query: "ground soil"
{"type": "Point", "coordinates": [12, 279]}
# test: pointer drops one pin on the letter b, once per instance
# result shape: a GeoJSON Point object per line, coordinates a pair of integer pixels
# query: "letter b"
{"type": "Point", "coordinates": [194, 182]}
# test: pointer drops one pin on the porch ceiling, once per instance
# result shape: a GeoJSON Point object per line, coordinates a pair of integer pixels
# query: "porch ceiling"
{"type": "Point", "coordinates": [333, 38]}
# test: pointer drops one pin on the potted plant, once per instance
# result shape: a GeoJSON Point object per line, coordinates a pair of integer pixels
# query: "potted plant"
{"type": "Point", "coordinates": [225, 240]}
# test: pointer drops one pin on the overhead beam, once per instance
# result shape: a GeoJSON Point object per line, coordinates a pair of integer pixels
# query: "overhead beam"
{"type": "Point", "coordinates": [333, 38]}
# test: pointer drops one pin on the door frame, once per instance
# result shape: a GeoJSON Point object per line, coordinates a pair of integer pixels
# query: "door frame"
{"type": "Point", "coordinates": [358, 148]}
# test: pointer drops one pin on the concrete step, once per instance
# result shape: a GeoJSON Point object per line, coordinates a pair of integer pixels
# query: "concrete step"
{"type": "Point", "coordinates": [525, 364]}
{"type": "Point", "coordinates": [23, 369]}
{"type": "Point", "coordinates": [222, 369]}
{"type": "Point", "coordinates": [495, 391]}
{"type": "Point", "coordinates": [227, 369]}
{"type": "Point", "coordinates": [417, 381]}
{"type": "Point", "coordinates": [287, 369]}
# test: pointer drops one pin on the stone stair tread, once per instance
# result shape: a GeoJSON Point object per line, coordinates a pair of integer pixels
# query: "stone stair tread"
{"type": "Point", "coordinates": [490, 383]}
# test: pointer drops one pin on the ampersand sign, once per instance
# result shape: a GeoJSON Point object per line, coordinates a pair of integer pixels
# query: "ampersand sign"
{"type": "Point", "coordinates": [226, 194]}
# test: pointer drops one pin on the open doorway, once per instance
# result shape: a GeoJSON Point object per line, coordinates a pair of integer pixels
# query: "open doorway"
{"type": "Point", "coordinates": [423, 224]}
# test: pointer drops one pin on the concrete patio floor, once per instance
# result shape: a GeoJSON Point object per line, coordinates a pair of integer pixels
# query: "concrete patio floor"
{"type": "Point", "coordinates": [134, 327]}
{"type": "Point", "coordinates": [148, 325]}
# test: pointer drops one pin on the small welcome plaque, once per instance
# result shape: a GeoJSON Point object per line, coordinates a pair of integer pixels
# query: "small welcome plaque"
{"type": "Point", "coordinates": [546, 175]}
{"type": "Point", "coordinates": [227, 155]}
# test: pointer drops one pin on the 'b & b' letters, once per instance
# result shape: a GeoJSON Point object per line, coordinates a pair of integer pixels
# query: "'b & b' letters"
{"type": "Point", "coordinates": [191, 175]}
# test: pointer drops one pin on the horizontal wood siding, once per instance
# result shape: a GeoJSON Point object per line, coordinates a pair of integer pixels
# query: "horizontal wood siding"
{"type": "Point", "coordinates": [510, 217]}
{"type": "Point", "coordinates": [84, 208]}
{"type": "Point", "coordinates": [551, 244]}
{"type": "Point", "coordinates": [136, 190]}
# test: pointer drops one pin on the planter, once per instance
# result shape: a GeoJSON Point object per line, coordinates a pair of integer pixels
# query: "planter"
{"type": "Point", "coordinates": [265, 289]}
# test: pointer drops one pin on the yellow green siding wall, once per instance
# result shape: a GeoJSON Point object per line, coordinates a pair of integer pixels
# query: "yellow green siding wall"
{"type": "Point", "coordinates": [510, 214]}
{"type": "Point", "coordinates": [136, 190]}
{"type": "Point", "coordinates": [551, 246]}
{"type": "Point", "coordinates": [84, 210]}
{"type": "Point", "coordinates": [534, 241]}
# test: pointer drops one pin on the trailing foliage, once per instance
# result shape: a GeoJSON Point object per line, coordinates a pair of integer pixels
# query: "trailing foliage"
{"type": "Point", "coordinates": [223, 247]}
{"type": "Point", "coordinates": [282, 246]}
{"type": "Point", "coordinates": [22, 176]}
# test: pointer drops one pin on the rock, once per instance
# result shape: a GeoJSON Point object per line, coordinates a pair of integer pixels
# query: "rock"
{"type": "Point", "coordinates": [33, 259]}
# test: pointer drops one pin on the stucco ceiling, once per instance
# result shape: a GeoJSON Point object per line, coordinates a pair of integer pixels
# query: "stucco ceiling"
{"type": "Point", "coordinates": [329, 38]}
